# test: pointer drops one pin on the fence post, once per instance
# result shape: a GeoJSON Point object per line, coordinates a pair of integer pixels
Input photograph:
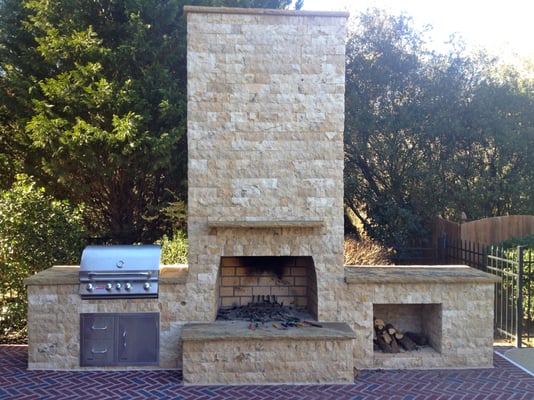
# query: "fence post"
{"type": "Point", "coordinates": [519, 315]}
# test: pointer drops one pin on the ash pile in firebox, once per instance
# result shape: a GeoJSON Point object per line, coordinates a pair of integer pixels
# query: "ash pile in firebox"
{"type": "Point", "coordinates": [262, 309]}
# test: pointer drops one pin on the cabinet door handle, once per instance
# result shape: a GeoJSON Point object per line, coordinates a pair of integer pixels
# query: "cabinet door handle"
{"type": "Point", "coordinates": [124, 339]}
{"type": "Point", "coordinates": [96, 328]}
{"type": "Point", "coordinates": [99, 351]}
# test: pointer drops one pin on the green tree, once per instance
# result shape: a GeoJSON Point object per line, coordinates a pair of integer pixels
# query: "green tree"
{"type": "Point", "coordinates": [101, 120]}
{"type": "Point", "coordinates": [431, 134]}
{"type": "Point", "coordinates": [384, 131]}
{"type": "Point", "coordinates": [108, 117]}
{"type": "Point", "coordinates": [483, 137]}
{"type": "Point", "coordinates": [15, 48]}
{"type": "Point", "coordinates": [94, 105]}
{"type": "Point", "coordinates": [36, 232]}
{"type": "Point", "coordinates": [502, 118]}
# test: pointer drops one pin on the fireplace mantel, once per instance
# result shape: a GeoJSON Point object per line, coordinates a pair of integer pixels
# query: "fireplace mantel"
{"type": "Point", "coordinates": [266, 223]}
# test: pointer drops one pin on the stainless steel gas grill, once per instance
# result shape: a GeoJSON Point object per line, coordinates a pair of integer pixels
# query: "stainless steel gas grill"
{"type": "Point", "coordinates": [120, 271]}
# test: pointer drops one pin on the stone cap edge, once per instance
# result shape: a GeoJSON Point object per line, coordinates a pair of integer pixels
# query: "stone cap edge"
{"type": "Point", "coordinates": [264, 11]}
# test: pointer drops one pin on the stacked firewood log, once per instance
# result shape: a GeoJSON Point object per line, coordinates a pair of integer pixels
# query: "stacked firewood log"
{"type": "Point", "coordinates": [390, 340]}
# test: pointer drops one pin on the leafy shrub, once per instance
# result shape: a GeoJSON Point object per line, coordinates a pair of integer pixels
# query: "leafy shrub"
{"type": "Point", "coordinates": [512, 243]}
{"type": "Point", "coordinates": [36, 232]}
{"type": "Point", "coordinates": [508, 248]}
{"type": "Point", "coordinates": [174, 251]}
{"type": "Point", "coordinates": [365, 252]}
{"type": "Point", "coordinates": [508, 255]}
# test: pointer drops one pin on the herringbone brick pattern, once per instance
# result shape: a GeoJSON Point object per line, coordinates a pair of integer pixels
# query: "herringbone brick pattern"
{"type": "Point", "coordinates": [505, 382]}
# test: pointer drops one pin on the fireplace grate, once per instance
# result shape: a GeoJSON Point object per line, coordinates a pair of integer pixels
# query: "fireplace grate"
{"type": "Point", "coordinates": [263, 309]}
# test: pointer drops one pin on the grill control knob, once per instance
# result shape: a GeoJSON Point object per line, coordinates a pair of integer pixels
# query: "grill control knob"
{"type": "Point", "coordinates": [128, 286]}
{"type": "Point", "coordinates": [109, 286]}
{"type": "Point", "coordinates": [90, 287]}
{"type": "Point", "coordinates": [118, 286]}
{"type": "Point", "coordinates": [146, 286]}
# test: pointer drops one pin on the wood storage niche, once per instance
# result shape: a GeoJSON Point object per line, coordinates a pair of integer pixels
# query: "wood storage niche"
{"type": "Point", "coordinates": [400, 328]}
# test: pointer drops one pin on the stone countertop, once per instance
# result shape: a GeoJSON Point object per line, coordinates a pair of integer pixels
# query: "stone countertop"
{"type": "Point", "coordinates": [239, 330]}
{"type": "Point", "coordinates": [68, 275]}
{"type": "Point", "coordinates": [417, 274]}
{"type": "Point", "coordinates": [176, 273]}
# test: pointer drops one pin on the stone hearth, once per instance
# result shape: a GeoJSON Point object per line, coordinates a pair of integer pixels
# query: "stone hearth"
{"type": "Point", "coordinates": [219, 353]}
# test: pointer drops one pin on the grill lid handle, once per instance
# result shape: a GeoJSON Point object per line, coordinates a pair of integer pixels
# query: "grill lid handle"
{"type": "Point", "coordinates": [112, 274]}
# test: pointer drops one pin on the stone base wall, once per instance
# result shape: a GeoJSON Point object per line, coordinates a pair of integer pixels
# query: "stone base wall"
{"type": "Point", "coordinates": [216, 354]}
{"type": "Point", "coordinates": [462, 297]}
{"type": "Point", "coordinates": [267, 362]}
{"type": "Point", "coordinates": [54, 319]}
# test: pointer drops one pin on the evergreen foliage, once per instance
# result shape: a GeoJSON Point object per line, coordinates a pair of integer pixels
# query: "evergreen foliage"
{"type": "Point", "coordinates": [36, 232]}
{"type": "Point", "coordinates": [430, 134]}
{"type": "Point", "coordinates": [93, 105]}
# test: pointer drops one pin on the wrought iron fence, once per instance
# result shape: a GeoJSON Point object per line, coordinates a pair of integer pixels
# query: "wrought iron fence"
{"type": "Point", "coordinates": [514, 295]}
{"type": "Point", "coordinates": [423, 255]}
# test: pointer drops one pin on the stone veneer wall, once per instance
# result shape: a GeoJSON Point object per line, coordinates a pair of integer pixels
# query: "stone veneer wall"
{"type": "Point", "coordinates": [54, 308]}
{"type": "Point", "coordinates": [235, 354]}
{"type": "Point", "coordinates": [265, 135]}
{"type": "Point", "coordinates": [463, 295]}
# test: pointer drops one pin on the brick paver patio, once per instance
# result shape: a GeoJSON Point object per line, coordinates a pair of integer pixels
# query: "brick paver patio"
{"type": "Point", "coordinates": [505, 381]}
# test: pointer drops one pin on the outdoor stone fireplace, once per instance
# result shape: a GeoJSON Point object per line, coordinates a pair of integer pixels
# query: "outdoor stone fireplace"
{"type": "Point", "coordinates": [265, 141]}
{"type": "Point", "coordinates": [265, 224]}
{"type": "Point", "coordinates": [265, 135]}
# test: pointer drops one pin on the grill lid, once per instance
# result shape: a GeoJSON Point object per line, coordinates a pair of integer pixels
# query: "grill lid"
{"type": "Point", "coordinates": [121, 258]}
{"type": "Point", "coordinates": [120, 271]}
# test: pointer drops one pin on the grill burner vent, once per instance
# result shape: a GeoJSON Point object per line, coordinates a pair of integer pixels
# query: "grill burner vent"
{"type": "Point", "coordinates": [120, 271]}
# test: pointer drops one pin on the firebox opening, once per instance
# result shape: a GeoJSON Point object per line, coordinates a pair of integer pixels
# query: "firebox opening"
{"type": "Point", "coordinates": [267, 288]}
{"type": "Point", "coordinates": [421, 319]}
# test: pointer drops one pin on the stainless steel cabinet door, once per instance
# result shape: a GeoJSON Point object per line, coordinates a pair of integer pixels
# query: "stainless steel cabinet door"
{"type": "Point", "coordinates": [138, 339]}
{"type": "Point", "coordinates": [108, 339]}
